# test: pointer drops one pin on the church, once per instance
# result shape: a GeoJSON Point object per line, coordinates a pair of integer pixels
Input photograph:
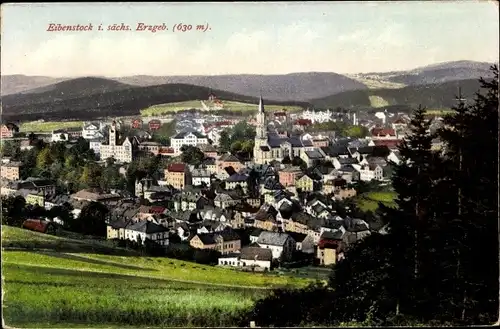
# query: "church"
{"type": "Point", "coordinates": [269, 145]}
{"type": "Point", "coordinates": [122, 153]}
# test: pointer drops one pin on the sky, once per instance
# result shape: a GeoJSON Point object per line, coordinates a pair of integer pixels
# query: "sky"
{"type": "Point", "coordinates": [251, 38]}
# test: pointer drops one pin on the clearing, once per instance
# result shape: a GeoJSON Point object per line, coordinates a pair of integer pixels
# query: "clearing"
{"type": "Point", "coordinates": [377, 101]}
{"type": "Point", "coordinates": [163, 109]}
{"type": "Point", "coordinates": [75, 286]}
{"type": "Point", "coordinates": [39, 126]}
{"type": "Point", "coordinates": [369, 201]}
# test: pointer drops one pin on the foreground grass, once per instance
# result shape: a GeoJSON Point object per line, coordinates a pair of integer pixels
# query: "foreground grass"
{"type": "Point", "coordinates": [37, 126]}
{"type": "Point", "coordinates": [196, 104]}
{"type": "Point", "coordinates": [39, 296]}
{"type": "Point", "coordinates": [369, 201]}
{"type": "Point", "coordinates": [49, 288]}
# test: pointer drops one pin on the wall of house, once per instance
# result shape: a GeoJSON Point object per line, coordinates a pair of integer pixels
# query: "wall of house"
{"type": "Point", "coordinates": [276, 250]}
{"type": "Point", "coordinates": [9, 172]}
{"type": "Point", "coordinates": [327, 256]}
{"type": "Point", "coordinates": [259, 263]}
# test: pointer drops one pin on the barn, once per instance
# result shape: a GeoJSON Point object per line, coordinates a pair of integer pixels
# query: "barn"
{"type": "Point", "coordinates": [40, 225]}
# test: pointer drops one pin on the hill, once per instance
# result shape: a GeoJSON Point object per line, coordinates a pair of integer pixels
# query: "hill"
{"type": "Point", "coordinates": [430, 74]}
{"type": "Point", "coordinates": [90, 289]}
{"type": "Point", "coordinates": [90, 98]}
{"type": "Point", "coordinates": [283, 87]}
{"type": "Point", "coordinates": [17, 83]}
{"type": "Point", "coordinates": [440, 95]}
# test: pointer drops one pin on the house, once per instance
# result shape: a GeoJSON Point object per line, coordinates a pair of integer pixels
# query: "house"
{"type": "Point", "coordinates": [10, 171]}
{"type": "Point", "coordinates": [150, 147]}
{"type": "Point", "coordinates": [209, 165]}
{"type": "Point", "coordinates": [327, 253]}
{"type": "Point", "coordinates": [209, 151]}
{"type": "Point", "coordinates": [39, 225]}
{"type": "Point", "coordinates": [235, 180]}
{"type": "Point", "coordinates": [226, 241]}
{"type": "Point", "coordinates": [288, 176]}
{"type": "Point", "coordinates": [95, 145]}
{"type": "Point", "coordinates": [312, 157]}
{"type": "Point", "coordinates": [96, 195]}
{"type": "Point", "coordinates": [201, 177]}
{"type": "Point", "coordinates": [250, 257]}
{"type": "Point", "coordinates": [59, 136]}
{"type": "Point", "coordinates": [303, 242]}
{"type": "Point", "coordinates": [254, 234]}
{"type": "Point", "coordinates": [192, 138]}
{"type": "Point", "coordinates": [92, 130]}
{"type": "Point", "coordinates": [305, 183]}
{"type": "Point", "coordinates": [116, 229]}
{"type": "Point", "coordinates": [282, 245]}
{"type": "Point", "coordinates": [36, 199]}
{"type": "Point", "coordinates": [228, 160]}
{"type": "Point", "coordinates": [146, 229]}
{"type": "Point", "coordinates": [223, 200]}
{"type": "Point", "coordinates": [8, 130]}
{"type": "Point", "coordinates": [175, 175]}
{"type": "Point", "coordinates": [339, 162]}
{"type": "Point", "coordinates": [370, 172]}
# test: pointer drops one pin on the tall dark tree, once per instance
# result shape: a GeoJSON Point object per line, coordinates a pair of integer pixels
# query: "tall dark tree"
{"type": "Point", "coordinates": [92, 219]}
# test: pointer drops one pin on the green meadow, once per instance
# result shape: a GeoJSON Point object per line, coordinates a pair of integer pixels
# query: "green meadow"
{"type": "Point", "coordinates": [37, 126]}
{"type": "Point", "coordinates": [196, 104]}
{"type": "Point", "coordinates": [48, 288]}
{"type": "Point", "coordinates": [369, 201]}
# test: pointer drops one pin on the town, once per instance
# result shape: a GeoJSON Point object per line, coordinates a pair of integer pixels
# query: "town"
{"type": "Point", "coordinates": [283, 198]}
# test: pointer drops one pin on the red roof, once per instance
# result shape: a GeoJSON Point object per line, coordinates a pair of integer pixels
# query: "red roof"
{"type": "Point", "coordinates": [327, 243]}
{"type": "Point", "coordinates": [177, 167]}
{"type": "Point", "coordinates": [303, 122]}
{"type": "Point", "coordinates": [36, 225]}
{"type": "Point", "coordinates": [390, 143]}
{"type": "Point", "coordinates": [156, 210]}
{"type": "Point", "coordinates": [383, 132]}
{"type": "Point", "coordinates": [166, 150]}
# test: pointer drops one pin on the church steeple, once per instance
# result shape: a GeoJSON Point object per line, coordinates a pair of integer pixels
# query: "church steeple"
{"type": "Point", "coordinates": [261, 104]}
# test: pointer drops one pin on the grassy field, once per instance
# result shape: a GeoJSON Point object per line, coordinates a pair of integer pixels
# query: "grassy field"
{"type": "Point", "coordinates": [369, 201]}
{"type": "Point", "coordinates": [196, 104]}
{"type": "Point", "coordinates": [439, 111]}
{"type": "Point", "coordinates": [46, 288]}
{"type": "Point", "coordinates": [377, 101]}
{"type": "Point", "coordinates": [377, 83]}
{"type": "Point", "coordinates": [37, 126]}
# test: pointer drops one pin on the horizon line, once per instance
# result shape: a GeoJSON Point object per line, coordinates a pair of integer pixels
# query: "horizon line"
{"type": "Point", "coordinates": [251, 74]}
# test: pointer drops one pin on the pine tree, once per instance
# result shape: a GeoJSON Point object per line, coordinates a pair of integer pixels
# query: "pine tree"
{"type": "Point", "coordinates": [413, 180]}
{"type": "Point", "coordinates": [468, 258]}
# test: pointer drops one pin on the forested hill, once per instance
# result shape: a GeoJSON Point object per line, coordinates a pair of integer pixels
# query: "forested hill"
{"type": "Point", "coordinates": [87, 98]}
{"type": "Point", "coordinates": [439, 95]}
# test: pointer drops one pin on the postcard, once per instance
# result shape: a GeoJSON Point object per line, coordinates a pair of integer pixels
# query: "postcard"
{"type": "Point", "coordinates": [249, 164]}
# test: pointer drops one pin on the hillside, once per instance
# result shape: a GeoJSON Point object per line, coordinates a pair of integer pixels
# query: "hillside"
{"type": "Point", "coordinates": [430, 74]}
{"type": "Point", "coordinates": [90, 98]}
{"type": "Point", "coordinates": [12, 84]}
{"type": "Point", "coordinates": [440, 95]}
{"type": "Point", "coordinates": [89, 289]}
{"type": "Point", "coordinates": [285, 87]}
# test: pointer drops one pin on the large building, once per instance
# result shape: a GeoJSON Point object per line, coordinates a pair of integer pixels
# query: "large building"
{"type": "Point", "coordinates": [121, 152]}
{"type": "Point", "coordinates": [271, 146]}
{"type": "Point", "coordinates": [192, 138]}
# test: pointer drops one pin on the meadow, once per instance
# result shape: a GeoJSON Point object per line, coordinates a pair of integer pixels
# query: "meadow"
{"type": "Point", "coordinates": [369, 201]}
{"type": "Point", "coordinates": [196, 104]}
{"type": "Point", "coordinates": [39, 126]}
{"type": "Point", "coordinates": [48, 288]}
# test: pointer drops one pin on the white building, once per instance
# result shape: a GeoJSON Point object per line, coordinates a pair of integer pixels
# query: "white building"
{"type": "Point", "coordinates": [92, 130]}
{"type": "Point", "coordinates": [59, 136]}
{"type": "Point", "coordinates": [200, 177]}
{"type": "Point", "coordinates": [369, 172]}
{"type": "Point", "coordinates": [95, 145]}
{"type": "Point", "coordinates": [146, 229]}
{"type": "Point", "coordinates": [281, 244]}
{"type": "Point", "coordinates": [192, 138]}
{"type": "Point", "coordinates": [121, 153]}
{"type": "Point", "coordinates": [249, 257]}
{"type": "Point", "coordinates": [317, 116]}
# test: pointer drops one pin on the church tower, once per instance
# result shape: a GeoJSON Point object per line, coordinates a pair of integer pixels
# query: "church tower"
{"type": "Point", "coordinates": [260, 134]}
{"type": "Point", "coordinates": [113, 134]}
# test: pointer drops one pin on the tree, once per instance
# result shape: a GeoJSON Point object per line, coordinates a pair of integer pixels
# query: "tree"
{"type": "Point", "coordinates": [13, 210]}
{"type": "Point", "coordinates": [236, 146]}
{"type": "Point", "coordinates": [192, 155]}
{"type": "Point", "coordinates": [225, 141]}
{"type": "Point", "coordinates": [92, 219]}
